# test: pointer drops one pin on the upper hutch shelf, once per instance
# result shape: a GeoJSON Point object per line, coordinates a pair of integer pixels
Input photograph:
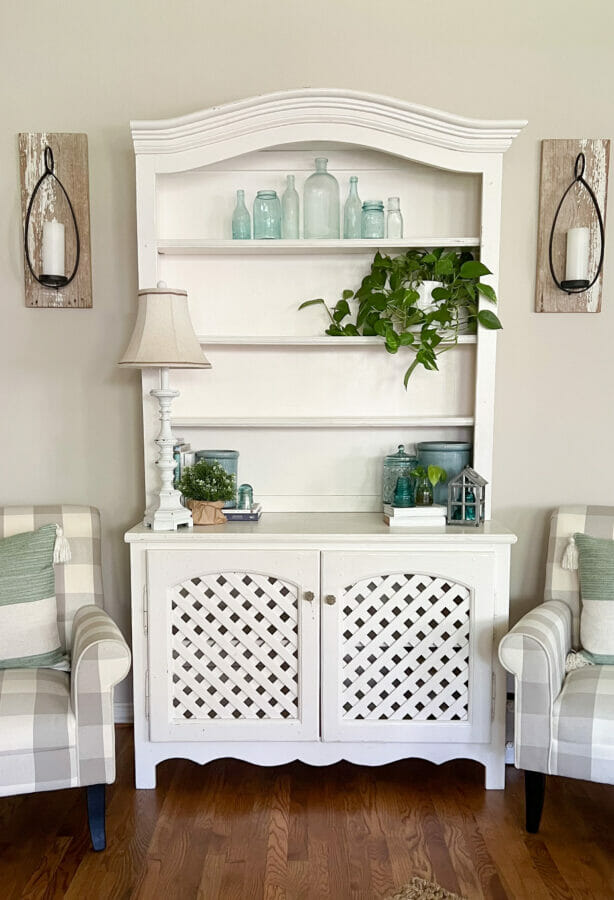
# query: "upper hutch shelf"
{"type": "Point", "coordinates": [205, 247]}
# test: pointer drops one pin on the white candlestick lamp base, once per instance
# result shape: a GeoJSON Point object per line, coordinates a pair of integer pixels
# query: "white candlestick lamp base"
{"type": "Point", "coordinates": [167, 512]}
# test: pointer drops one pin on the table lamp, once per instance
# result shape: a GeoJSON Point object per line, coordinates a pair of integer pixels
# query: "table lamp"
{"type": "Point", "coordinates": [163, 338]}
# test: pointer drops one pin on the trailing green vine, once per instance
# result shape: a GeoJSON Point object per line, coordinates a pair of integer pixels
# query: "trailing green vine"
{"type": "Point", "coordinates": [385, 304]}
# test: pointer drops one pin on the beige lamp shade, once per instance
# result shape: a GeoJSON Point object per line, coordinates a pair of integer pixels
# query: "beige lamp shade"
{"type": "Point", "coordinates": [163, 335]}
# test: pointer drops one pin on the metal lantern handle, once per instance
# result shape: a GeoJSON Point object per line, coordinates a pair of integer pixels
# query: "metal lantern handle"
{"type": "Point", "coordinates": [579, 168]}
{"type": "Point", "coordinates": [49, 173]}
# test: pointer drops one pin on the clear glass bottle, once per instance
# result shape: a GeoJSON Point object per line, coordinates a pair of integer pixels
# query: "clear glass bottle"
{"type": "Point", "coordinates": [321, 204]}
{"type": "Point", "coordinates": [267, 215]}
{"type": "Point", "coordinates": [241, 222]}
{"type": "Point", "coordinates": [394, 220]}
{"type": "Point", "coordinates": [372, 219]}
{"type": "Point", "coordinates": [423, 492]}
{"type": "Point", "coordinates": [352, 211]}
{"type": "Point", "coordinates": [289, 211]}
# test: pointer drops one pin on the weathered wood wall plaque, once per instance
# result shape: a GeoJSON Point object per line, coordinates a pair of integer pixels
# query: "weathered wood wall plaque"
{"type": "Point", "coordinates": [71, 167]}
{"type": "Point", "coordinates": [557, 172]}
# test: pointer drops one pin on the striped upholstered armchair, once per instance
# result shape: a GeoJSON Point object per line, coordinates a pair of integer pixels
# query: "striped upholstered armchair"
{"type": "Point", "coordinates": [56, 727]}
{"type": "Point", "coordinates": [564, 721]}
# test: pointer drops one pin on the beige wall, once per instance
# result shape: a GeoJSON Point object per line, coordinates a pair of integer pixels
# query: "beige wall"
{"type": "Point", "coordinates": [71, 419]}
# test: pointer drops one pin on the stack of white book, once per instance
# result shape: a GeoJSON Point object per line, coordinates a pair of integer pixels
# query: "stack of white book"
{"type": "Point", "coordinates": [416, 516]}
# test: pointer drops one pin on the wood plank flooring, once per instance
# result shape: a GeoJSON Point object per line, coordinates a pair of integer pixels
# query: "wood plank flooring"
{"type": "Point", "coordinates": [234, 831]}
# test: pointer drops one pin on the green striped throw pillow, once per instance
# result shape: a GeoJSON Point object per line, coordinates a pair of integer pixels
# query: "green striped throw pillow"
{"type": "Point", "coordinates": [596, 570]}
{"type": "Point", "coordinates": [28, 610]}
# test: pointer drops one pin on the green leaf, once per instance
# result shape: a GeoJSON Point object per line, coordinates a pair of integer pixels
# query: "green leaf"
{"type": "Point", "coordinates": [441, 293]}
{"type": "Point", "coordinates": [488, 319]}
{"type": "Point", "coordinates": [347, 294]}
{"type": "Point", "coordinates": [334, 331]}
{"type": "Point", "coordinates": [380, 328]}
{"type": "Point", "coordinates": [487, 291]}
{"type": "Point", "coordinates": [312, 303]}
{"type": "Point", "coordinates": [473, 269]}
{"type": "Point", "coordinates": [411, 371]}
{"type": "Point", "coordinates": [341, 310]}
{"type": "Point", "coordinates": [351, 330]}
{"type": "Point", "coordinates": [443, 266]}
{"type": "Point", "coordinates": [406, 339]}
{"type": "Point", "coordinates": [436, 474]}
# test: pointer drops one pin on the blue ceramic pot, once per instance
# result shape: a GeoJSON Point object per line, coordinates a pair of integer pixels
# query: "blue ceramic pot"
{"type": "Point", "coordinates": [452, 456]}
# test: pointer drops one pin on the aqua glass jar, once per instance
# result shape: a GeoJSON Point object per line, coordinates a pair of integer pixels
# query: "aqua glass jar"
{"type": "Point", "coordinates": [373, 223]}
{"type": "Point", "coordinates": [396, 465]}
{"type": "Point", "coordinates": [267, 216]}
{"type": "Point", "coordinates": [228, 460]}
{"type": "Point", "coordinates": [321, 204]}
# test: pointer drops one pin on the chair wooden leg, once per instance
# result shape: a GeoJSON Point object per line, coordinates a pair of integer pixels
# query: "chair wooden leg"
{"type": "Point", "coordinates": [95, 815]}
{"type": "Point", "coordinates": [534, 790]}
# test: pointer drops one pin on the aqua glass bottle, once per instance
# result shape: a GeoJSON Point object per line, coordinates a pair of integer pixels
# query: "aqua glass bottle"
{"type": "Point", "coordinates": [241, 222]}
{"type": "Point", "coordinates": [352, 211]}
{"type": "Point", "coordinates": [267, 215]}
{"type": "Point", "coordinates": [321, 204]}
{"type": "Point", "coordinates": [289, 211]}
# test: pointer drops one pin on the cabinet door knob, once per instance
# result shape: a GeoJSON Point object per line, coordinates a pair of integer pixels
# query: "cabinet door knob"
{"type": "Point", "coordinates": [330, 599]}
{"type": "Point", "coordinates": [309, 595]}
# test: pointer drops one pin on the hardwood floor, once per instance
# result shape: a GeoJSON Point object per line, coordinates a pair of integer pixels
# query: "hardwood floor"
{"type": "Point", "coordinates": [234, 831]}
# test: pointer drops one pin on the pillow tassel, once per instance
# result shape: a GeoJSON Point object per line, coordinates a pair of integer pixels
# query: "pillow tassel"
{"type": "Point", "coordinates": [570, 557]}
{"type": "Point", "coordinates": [61, 549]}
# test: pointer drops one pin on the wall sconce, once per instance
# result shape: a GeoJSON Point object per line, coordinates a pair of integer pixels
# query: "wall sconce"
{"type": "Point", "coordinates": [576, 279]}
{"type": "Point", "coordinates": [55, 209]}
{"type": "Point", "coordinates": [564, 243]}
{"type": "Point", "coordinates": [53, 250]}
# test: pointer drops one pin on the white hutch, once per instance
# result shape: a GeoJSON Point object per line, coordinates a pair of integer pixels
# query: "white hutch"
{"type": "Point", "coordinates": [318, 633]}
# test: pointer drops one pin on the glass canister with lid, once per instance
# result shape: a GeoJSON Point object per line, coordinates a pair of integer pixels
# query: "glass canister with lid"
{"type": "Point", "coordinates": [396, 465]}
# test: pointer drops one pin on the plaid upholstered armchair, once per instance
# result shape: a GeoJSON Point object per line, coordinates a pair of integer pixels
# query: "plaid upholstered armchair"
{"type": "Point", "coordinates": [56, 727]}
{"type": "Point", "coordinates": [564, 721]}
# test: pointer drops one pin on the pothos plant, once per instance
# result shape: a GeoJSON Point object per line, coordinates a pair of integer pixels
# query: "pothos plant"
{"type": "Point", "coordinates": [385, 304]}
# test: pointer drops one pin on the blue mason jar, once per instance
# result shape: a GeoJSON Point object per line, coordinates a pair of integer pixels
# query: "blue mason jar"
{"type": "Point", "coordinates": [267, 215]}
{"type": "Point", "coordinates": [373, 224]}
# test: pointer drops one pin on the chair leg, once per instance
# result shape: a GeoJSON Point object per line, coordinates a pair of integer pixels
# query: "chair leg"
{"type": "Point", "coordinates": [534, 790]}
{"type": "Point", "coordinates": [95, 815]}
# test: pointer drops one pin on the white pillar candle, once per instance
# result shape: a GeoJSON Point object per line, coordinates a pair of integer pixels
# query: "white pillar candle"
{"type": "Point", "coordinates": [576, 268]}
{"type": "Point", "coordinates": [53, 248]}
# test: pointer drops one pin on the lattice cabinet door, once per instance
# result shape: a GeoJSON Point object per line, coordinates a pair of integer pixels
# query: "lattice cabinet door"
{"type": "Point", "coordinates": [407, 646]}
{"type": "Point", "coordinates": [233, 645]}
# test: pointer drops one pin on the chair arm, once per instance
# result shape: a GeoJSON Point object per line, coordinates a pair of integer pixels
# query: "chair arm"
{"type": "Point", "coordinates": [534, 651]}
{"type": "Point", "coordinates": [100, 658]}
